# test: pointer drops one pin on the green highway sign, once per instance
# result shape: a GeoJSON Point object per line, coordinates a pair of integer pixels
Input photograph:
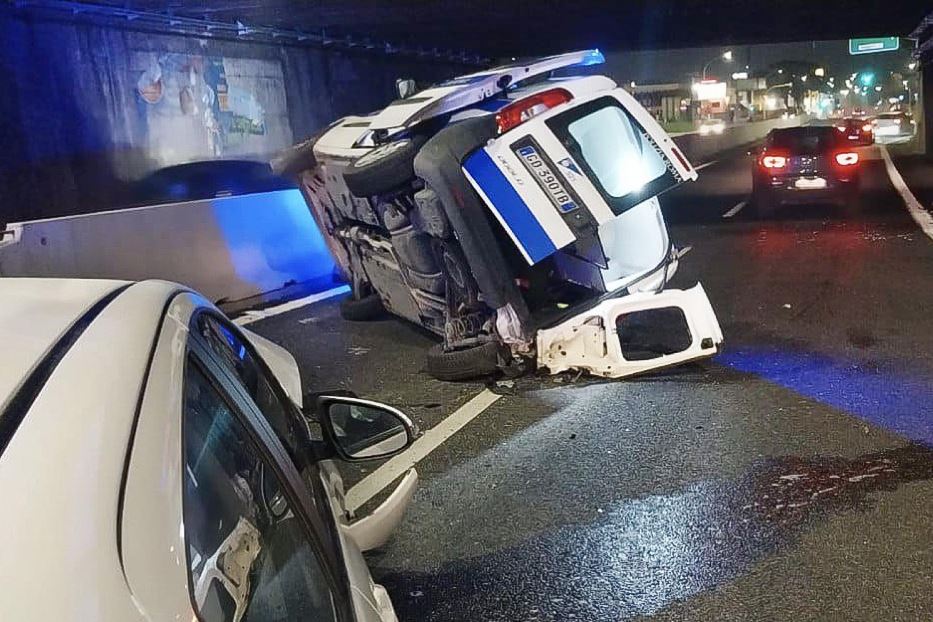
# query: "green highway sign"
{"type": "Point", "coordinates": [873, 44]}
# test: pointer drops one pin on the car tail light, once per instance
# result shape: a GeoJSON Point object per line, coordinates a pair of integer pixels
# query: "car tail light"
{"type": "Point", "coordinates": [866, 127]}
{"type": "Point", "coordinates": [841, 128]}
{"type": "Point", "coordinates": [847, 159]}
{"type": "Point", "coordinates": [680, 158]}
{"type": "Point", "coordinates": [773, 161]}
{"type": "Point", "coordinates": [518, 112]}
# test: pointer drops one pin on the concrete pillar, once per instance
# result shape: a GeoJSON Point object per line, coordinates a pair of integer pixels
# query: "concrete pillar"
{"type": "Point", "coordinates": [925, 105]}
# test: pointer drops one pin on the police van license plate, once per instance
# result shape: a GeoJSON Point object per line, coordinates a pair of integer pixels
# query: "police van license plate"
{"type": "Point", "coordinates": [547, 179]}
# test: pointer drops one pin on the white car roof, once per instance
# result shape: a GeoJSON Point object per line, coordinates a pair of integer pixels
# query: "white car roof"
{"type": "Point", "coordinates": [62, 469]}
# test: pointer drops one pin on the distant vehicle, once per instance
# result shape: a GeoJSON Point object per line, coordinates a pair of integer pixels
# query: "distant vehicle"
{"type": "Point", "coordinates": [893, 127]}
{"type": "Point", "coordinates": [858, 132]}
{"type": "Point", "coordinates": [859, 113]}
{"type": "Point", "coordinates": [163, 465]}
{"type": "Point", "coordinates": [509, 212]}
{"type": "Point", "coordinates": [712, 126]}
{"type": "Point", "coordinates": [811, 164]}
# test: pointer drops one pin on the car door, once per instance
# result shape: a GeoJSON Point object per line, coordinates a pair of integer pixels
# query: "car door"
{"type": "Point", "coordinates": [257, 547]}
{"type": "Point", "coordinates": [233, 351]}
{"type": "Point", "coordinates": [569, 171]}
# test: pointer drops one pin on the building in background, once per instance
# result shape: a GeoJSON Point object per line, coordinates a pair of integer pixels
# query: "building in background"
{"type": "Point", "coordinates": [669, 102]}
{"type": "Point", "coordinates": [923, 55]}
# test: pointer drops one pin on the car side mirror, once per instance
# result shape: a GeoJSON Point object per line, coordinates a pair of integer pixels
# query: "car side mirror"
{"type": "Point", "coordinates": [361, 430]}
{"type": "Point", "coordinates": [406, 87]}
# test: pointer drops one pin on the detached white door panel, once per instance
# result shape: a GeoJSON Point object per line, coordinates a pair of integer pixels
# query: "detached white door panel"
{"type": "Point", "coordinates": [633, 334]}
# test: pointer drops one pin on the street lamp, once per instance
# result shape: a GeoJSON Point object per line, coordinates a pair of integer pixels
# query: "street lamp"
{"type": "Point", "coordinates": [726, 56]}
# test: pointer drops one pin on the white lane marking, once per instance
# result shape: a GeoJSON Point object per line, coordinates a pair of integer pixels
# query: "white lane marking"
{"type": "Point", "coordinates": [376, 481]}
{"type": "Point", "coordinates": [704, 165]}
{"type": "Point", "coordinates": [922, 217]}
{"type": "Point", "coordinates": [252, 316]}
{"type": "Point", "coordinates": [735, 209]}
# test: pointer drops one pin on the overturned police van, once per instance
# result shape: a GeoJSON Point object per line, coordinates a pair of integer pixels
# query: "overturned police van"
{"type": "Point", "coordinates": [514, 213]}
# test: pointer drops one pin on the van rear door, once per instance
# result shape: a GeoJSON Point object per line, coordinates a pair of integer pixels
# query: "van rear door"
{"type": "Point", "coordinates": [557, 177]}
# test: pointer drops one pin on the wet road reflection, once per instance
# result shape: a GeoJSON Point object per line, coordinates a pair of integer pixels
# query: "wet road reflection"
{"type": "Point", "coordinates": [640, 555]}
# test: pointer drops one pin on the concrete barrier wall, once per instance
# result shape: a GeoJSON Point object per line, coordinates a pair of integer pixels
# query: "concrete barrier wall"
{"type": "Point", "coordinates": [229, 248]}
{"type": "Point", "coordinates": [699, 149]}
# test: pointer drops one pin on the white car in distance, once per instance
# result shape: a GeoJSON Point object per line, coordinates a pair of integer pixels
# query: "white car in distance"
{"type": "Point", "coordinates": [157, 464]}
{"type": "Point", "coordinates": [712, 126]}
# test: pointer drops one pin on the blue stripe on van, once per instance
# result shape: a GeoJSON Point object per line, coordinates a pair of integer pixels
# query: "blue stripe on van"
{"type": "Point", "coordinates": [514, 211]}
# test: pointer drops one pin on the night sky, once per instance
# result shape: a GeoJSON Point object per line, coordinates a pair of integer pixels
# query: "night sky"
{"type": "Point", "coordinates": [675, 65]}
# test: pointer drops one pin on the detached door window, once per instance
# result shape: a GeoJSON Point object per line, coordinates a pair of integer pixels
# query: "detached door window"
{"type": "Point", "coordinates": [249, 555]}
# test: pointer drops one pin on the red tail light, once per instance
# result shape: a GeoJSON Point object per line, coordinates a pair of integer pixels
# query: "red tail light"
{"type": "Point", "coordinates": [847, 158]}
{"type": "Point", "coordinates": [518, 112]}
{"type": "Point", "coordinates": [773, 161]}
{"type": "Point", "coordinates": [866, 127]}
{"type": "Point", "coordinates": [681, 158]}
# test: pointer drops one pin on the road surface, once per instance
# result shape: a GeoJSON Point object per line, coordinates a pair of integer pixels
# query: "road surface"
{"type": "Point", "coordinates": [788, 479]}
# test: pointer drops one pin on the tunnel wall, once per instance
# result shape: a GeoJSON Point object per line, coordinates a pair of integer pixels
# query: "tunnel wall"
{"type": "Point", "coordinates": [86, 109]}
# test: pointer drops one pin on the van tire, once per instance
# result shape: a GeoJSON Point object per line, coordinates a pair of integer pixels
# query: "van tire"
{"type": "Point", "coordinates": [363, 309]}
{"type": "Point", "coordinates": [466, 364]}
{"type": "Point", "coordinates": [386, 168]}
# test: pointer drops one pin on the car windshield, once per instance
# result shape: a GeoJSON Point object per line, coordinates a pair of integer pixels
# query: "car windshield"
{"type": "Point", "coordinates": [804, 140]}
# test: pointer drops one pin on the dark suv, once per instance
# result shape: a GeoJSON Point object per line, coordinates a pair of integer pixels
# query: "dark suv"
{"type": "Point", "coordinates": [804, 165]}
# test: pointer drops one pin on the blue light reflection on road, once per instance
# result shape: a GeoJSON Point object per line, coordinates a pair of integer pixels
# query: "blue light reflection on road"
{"type": "Point", "coordinates": [897, 401]}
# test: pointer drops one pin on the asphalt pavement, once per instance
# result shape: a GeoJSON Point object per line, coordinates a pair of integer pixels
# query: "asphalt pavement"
{"type": "Point", "coordinates": [791, 477]}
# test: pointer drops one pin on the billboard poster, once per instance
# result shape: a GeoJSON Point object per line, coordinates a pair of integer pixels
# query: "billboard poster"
{"type": "Point", "coordinates": [194, 107]}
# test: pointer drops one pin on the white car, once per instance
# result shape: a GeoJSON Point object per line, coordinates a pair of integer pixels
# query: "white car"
{"type": "Point", "coordinates": [156, 464]}
{"type": "Point", "coordinates": [893, 127]}
{"type": "Point", "coordinates": [712, 126]}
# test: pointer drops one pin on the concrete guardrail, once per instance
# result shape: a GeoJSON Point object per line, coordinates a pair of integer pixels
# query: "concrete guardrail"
{"type": "Point", "coordinates": [699, 149]}
{"type": "Point", "coordinates": [229, 248]}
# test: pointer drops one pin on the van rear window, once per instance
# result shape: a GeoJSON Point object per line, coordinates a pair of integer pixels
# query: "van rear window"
{"type": "Point", "coordinates": [615, 151]}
